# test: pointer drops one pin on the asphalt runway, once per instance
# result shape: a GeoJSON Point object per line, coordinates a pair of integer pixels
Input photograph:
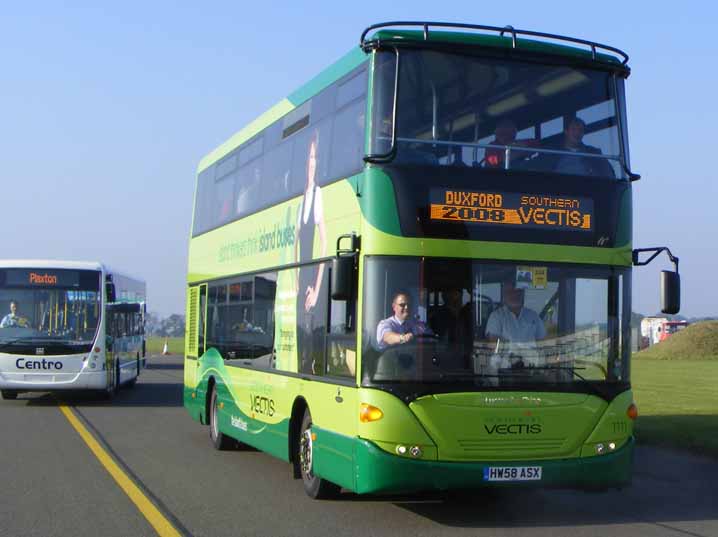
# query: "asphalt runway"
{"type": "Point", "coordinates": [53, 484]}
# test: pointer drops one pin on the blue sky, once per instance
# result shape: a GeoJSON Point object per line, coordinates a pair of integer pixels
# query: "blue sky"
{"type": "Point", "coordinates": [107, 108]}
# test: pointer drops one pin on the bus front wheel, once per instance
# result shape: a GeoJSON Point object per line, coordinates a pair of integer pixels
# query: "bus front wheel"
{"type": "Point", "coordinates": [9, 394]}
{"type": "Point", "coordinates": [315, 486]}
{"type": "Point", "coordinates": [220, 441]}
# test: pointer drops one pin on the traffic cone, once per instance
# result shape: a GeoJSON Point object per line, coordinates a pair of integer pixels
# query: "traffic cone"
{"type": "Point", "coordinates": [165, 349]}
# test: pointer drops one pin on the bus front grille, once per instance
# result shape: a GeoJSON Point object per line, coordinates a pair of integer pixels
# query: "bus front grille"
{"type": "Point", "coordinates": [524, 446]}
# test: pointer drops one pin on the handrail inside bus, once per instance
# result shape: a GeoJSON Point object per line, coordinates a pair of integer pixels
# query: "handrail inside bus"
{"type": "Point", "coordinates": [425, 25]}
{"type": "Point", "coordinates": [509, 148]}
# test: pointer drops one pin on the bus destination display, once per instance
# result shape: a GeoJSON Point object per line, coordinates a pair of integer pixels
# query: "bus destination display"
{"type": "Point", "coordinates": [57, 278]}
{"type": "Point", "coordinates": [511, 208]}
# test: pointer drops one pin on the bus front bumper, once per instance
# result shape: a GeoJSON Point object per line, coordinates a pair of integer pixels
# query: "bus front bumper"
{"type": "Point", "coordinates": [379, 471]}
{"type": "Point", "coordinates": [47, 382]}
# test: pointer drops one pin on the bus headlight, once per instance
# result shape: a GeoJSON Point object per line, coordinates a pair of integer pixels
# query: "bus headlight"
{"type": "Point", "coordinates": [605, 447]}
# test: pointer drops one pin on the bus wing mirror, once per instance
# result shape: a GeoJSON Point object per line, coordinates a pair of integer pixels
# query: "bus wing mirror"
{"type": "Point", "coordinates": [344, 271]}
{"type": "Point", "coordinates": [670, 292]}
{"type": "Point", "coordinates": [670, 281]}
{"type": "Point", "coordinates": [343, 277]}
{"type": "Point", "coordinates": [110, 291]}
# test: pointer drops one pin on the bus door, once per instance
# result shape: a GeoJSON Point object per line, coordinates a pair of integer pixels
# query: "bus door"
{"type": "Point", "coordinates": [195, 342]}
{"type": "Point", "coordinates": [114, 328]}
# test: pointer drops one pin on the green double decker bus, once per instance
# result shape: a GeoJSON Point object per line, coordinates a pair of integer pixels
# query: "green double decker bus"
{"type": "Point", "coordinates": [415, 271]}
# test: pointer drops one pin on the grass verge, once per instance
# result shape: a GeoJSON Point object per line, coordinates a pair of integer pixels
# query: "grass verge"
{"type": "Point", "coordinates": [156, 344]}
{"type": "Point", "coordinates": [678, 404]}
{"type": "Point", "coordinates": [698, 341]}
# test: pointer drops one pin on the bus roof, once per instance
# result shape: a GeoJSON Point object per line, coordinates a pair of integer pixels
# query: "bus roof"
{"type": "Point", "coordinates": [50, 264]}
{"type": "Point", "coordinates": [329, 75]}
{"type": "Point", "coordinates": [65, 264]}
{"type": "Point", "coordinates": [357, 56]}
{"type": "Point", "coordinates": [507, 37]}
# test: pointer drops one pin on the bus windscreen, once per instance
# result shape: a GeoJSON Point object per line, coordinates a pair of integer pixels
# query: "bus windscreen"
{"type": "Point", "coordinates": [488, 113]}
{"type": "Point", "coordinates": [458, 321]}
{"type": "Point", "coordinates": [56, 309]}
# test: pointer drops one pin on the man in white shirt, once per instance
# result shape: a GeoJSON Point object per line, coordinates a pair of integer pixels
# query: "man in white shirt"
{"type": "Point", "coordinates": [515, 325]}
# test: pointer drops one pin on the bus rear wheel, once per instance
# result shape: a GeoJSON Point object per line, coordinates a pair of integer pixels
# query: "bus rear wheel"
{"type": "Point", "coordinates": [9, 394]}
{"type": "Point", "coordinates": [314, 486]}
{"type": "Point", "coordinates": [220, 441]}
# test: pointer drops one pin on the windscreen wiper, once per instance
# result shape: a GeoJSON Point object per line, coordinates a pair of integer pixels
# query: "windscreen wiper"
{"type": "Point", "coordinates": [11, 342]}
{"type": "Point", "coordinates": [590, 385]}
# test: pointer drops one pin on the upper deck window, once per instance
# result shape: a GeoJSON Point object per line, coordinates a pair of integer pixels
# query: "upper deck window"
{"type": "Point", "coordinates": [463, 110]}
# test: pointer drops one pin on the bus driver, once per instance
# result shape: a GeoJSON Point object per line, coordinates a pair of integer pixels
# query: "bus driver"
{"type": "Point", "coordinates": [13, 319]}
{"type": "Point", "coordinates": [512, 323]}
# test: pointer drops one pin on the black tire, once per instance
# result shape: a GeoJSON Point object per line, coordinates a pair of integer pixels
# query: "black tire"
{"type": "Point", "coordinates": [9, 394]}
{"type": "Point", "coordinates": [314, 486]}
{"type": "Point", "coordinates": [220, 441]}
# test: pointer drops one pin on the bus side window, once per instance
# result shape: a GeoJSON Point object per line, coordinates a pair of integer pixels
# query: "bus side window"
{"type": "Point", "coordinates": [341, 340]}
{"type": "Point", "coordinates": [240, 320]}
{"type": "Point", "coordinates": [348, 141]}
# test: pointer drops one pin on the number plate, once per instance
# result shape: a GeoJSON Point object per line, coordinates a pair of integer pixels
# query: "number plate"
{"type": "Point", "coordinates": [512, 473]}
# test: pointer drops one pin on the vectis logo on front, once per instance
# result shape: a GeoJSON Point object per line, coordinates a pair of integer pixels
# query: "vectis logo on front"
{"type": "Point", "coordinates": [514, 428]}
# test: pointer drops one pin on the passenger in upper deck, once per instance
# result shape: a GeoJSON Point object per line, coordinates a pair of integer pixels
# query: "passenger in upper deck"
{"type": "Point", "coordinates": [505, 135]}
{"type": "Point", "coordinates": [577, 165]}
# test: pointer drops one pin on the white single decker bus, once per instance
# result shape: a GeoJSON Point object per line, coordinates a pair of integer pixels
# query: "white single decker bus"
{"type": "Point", "coordinates": [69, 325]}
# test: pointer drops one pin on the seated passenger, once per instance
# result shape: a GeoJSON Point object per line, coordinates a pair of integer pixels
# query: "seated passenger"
{"type": "Point", "coordinates": [400, 328]}
{"type": "Point", "coordinates": [452, 323]}
{"type": "Point", "coordinates": [578, 165]}
{"type": "Point", "coordinates": [505, 135]}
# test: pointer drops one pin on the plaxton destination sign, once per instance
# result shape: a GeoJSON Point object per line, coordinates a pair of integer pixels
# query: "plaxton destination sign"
{"type": "Point", "coordinates": [509, 208]}
{"type": "Point", "coordinates": [55, 278]}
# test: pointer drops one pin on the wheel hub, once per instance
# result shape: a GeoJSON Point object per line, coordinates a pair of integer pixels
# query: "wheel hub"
{"type": "Point", "coordinates": [305, 453]}
{"type": "Point", "coordinates": [213, 426]}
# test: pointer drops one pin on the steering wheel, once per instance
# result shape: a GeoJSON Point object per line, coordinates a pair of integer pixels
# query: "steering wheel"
{"type": "Point", "coordinates": [426, 335]}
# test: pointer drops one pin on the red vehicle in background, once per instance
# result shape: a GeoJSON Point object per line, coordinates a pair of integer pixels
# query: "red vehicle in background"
{"type": "Point", "coordinates": [657, 329]}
